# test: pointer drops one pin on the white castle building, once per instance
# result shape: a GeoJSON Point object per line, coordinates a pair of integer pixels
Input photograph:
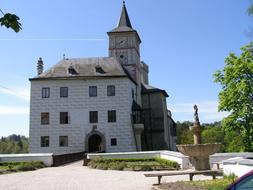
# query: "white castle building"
{"type": "Point", "coordinates": [102, 104]}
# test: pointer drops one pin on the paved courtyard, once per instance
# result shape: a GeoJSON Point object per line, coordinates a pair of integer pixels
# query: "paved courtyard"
{"type": "Point", "coordinates": [77, 177]}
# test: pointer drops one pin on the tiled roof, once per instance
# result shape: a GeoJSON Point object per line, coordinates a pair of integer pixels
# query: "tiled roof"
{"type": "Point", "coordinates": [84, 67]}
{"type": "Point", "coordinates": [145, 89]}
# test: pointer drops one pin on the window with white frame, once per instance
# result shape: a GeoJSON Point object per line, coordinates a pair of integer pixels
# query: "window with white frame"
{"type": "Point", "coordinates": [111, 116]}
{"type": "Point", "coordinates": [45, 92]}
{"type": "Point", "coordinates": [111, 90]}
{"type": "Point", "coordinates": [44, 118]}
{"type": "Point", "coordinates": [92, 91]}
{"type": "Point", "coordinates": [63, 92]}
{"type": "Point", "coordinates": [44, 141]}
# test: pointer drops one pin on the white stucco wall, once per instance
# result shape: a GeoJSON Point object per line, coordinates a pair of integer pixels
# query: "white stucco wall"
{"type": "Point", "coordinates": [78, 104]}
{"type": "Point", "coordinates": [219, 157]}
{"type": "Point", "coordinates": [47, 159]}
{"type": "Point", "coordinates": [237, 166]}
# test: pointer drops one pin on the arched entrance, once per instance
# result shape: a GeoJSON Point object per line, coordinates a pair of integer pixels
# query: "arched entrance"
{"type": "Point", "coordinates": [95, 142]}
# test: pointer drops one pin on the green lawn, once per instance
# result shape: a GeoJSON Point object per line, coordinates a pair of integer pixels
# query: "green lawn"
{"type": "Point", "coordinates": [10, 167]}
{"type": "Point", "coordinates": [218, 184]}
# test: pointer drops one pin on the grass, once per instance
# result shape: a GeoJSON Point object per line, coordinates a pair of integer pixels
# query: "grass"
{"type": "Point", "coordinates": [10, 167]}
{"type": "Point", "coordinates": [217, 184]}
{"type": "Point", "coordinates": [136, 164]}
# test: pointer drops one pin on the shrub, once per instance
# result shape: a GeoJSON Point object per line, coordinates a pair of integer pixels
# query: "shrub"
{"type": "Point", "coordinates": [22, 166]}
{"type": "Point", "coordinates": [143, 164]}
{"type": "Point", "coordinates": [102, 166]}
{"type": "Point", "coordinates": [37, 164]}
{"type": "Point", "coordinates": [146, 168]}
{"type": "Point", "coordinates": [25, 167]}
{"type": "Point", "coordinates": [117, 165]}
{"type": "Point", "coordinates": [93, 163]}
{"type": "Point", "coordinates": [168, 163]}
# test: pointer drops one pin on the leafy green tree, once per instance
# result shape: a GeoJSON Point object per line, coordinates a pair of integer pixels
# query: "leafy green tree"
{"type": "Point", "coordinates": [250, 10]}
{"type": "Point", "coordinates": [10, 21]}
{"type": "Point", "coordinates": [236, 96]}
{"type": "Point", "coordinates": [233, 142]}
{"type": "Point", "coordinates": [13, 144]}
{"type": "Point", "coordinates": [184, 135]}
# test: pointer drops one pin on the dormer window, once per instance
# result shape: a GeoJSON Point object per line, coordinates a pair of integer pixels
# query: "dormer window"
{"type": "Point", "coordinates": [100, 70]}
{"type": "Point", "coordinates": [72, 70]}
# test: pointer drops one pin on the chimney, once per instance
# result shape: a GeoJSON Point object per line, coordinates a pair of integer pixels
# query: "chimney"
{"type": "Point", "coordinates": [40, 66]}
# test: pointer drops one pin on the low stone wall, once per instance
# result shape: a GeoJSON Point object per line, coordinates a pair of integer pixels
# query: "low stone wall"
{"type": "Point", "coordinates": [144, 154]}
{"type": "Point", "coordinates": [46, 158]}
{"type": "Point", "coordinates": [238, 166]}
{"type": "Point", "coordinates": [182, 160]}
{"type": "Point", "coordinates": [219, 157]}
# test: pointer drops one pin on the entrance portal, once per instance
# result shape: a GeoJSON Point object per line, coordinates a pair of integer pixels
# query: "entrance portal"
{"type": "Point", "coordinates": [95, 143]}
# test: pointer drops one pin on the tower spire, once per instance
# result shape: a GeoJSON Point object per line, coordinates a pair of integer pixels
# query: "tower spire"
{"type": "Point", "coordinates": [124, 20]}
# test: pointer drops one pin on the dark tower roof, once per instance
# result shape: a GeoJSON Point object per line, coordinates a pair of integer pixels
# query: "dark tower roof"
{"type": "Point", "coordinates": [124, 24]}
{"type": "Point", "coordinates": [124, 18]}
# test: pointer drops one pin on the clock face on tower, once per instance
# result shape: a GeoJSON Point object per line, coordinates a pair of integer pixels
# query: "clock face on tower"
{"type": "Point", "coordinates": [121, 42]}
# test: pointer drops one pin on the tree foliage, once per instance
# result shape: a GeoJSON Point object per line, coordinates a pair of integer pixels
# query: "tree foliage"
{"type": "Point", "coordinates": [10, 21]}
{"type": "Point", "coordinates": [211, 133]}
{"type": "Point", "coordinates": [13, 144]}
{"type": "Point", "coordinates": [236, 96]}
{"type": "Point", "coordinates": [250, 10]}
{"type": "Point", "coordinates": [184, 135]}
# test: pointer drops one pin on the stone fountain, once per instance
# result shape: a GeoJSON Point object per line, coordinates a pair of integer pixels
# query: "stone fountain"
{"type": "Point", "coordinates": [198, 153]}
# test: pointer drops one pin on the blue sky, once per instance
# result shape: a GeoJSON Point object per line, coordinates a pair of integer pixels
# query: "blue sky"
{"type": "Point", "coordinates": [183, 41]}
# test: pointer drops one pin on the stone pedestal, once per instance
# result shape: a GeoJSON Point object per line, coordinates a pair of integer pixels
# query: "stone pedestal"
{"type": "Point", "coordinates": [196, 129]}
{"type": "Point", "coordinates": [200, 163]}
{"type": "Point", "coordinates": [138, 128]}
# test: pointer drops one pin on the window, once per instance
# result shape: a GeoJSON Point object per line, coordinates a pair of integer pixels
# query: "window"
{"type": "Point", "coordinates": [114, 142]}
{"type": "Point", "coordinates": [44, 118]}
{"type": "Point", "coordinates": [93, 91]}
{"type": "Point", "coordinates": [112, 116]}
{"type": "Point", "coordinates": [93, 116]}
{"type": "Point", "coordinates": [72, 70]}
{"type": "Point", "coordinates": [64, 117]}
{"type": "Point", "coordinates": [133, 93]}
{"type": "Point", "coordinates": [44, 141]}
{"type": "Point", "coordinates": [63, 92]}
{"type": "Point", "coordinates": [111, 90]}
{"type": "Point", "coordinates": [100, 70]}
{"type": "Point", "coordinates": [45, 92]}
{"type": "Point", "coordinates": [245, 184]}
{"type": "Point", "coordinates": [63, 141]}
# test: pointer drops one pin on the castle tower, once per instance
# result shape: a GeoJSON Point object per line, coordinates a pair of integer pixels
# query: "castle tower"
{"type": "Point", "coordinates": [124, 44]}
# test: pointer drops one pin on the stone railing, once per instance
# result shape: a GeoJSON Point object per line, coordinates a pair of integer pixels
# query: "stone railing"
{"type": "Point", "coordinates": [237, 166]}
{"type": "Point", "coordinates": [46, 158]}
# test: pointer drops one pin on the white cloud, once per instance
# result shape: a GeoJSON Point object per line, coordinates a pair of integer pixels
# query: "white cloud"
{"type": "Point", "coordinates": [11, 110]}
{"type": "Point", "coordinates": [22, 93]}
{"type": "Point", "coordinates": [208, 111]}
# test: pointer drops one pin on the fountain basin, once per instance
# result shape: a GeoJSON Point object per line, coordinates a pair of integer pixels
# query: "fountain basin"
{"type": "Point", "coordinates": [199, 154]}
{"type": "Point", "coordinates": [200, 150]}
